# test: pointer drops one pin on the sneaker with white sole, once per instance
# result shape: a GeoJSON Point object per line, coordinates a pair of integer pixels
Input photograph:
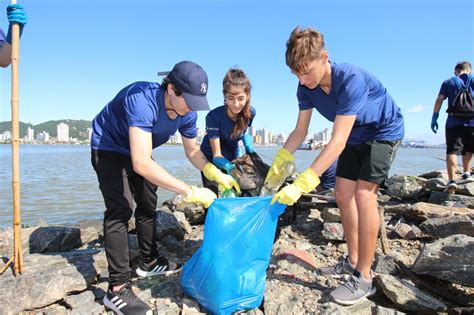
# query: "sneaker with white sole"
{"type": "Point", "coordinates": [353, 290]}
{"type": "Point", "coordinates": [124, 301]}
{"type": "Point", "coordinates": [343, 268]}
{"type": "Point", "coordinates": [160, 266]}
{"type": "Point", "coordinates": [451, 187]}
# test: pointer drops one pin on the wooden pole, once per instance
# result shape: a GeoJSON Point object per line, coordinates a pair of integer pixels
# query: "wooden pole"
{"type": "Point", "coordinates": [17, 255]}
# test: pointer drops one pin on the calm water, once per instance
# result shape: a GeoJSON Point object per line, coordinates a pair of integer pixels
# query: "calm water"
{"type": "Point", "coordinates": [58, 184]}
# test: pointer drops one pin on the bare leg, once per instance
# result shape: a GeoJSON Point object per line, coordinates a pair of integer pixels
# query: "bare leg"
{"type": "Point", "coordinates": [466, 162]}
{"type": "Point", "coordinates": [369, 224]}
{"type": "Point", "coordinates": [345, 200]}
{"type": "Point", "coordinates": [451, 164]}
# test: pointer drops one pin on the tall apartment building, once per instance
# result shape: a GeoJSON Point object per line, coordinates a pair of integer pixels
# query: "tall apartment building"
{"type": "Point", "coordinates": [62, 132]}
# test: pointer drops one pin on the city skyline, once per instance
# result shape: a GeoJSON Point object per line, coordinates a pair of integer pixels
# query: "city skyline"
{"type": "Point", "coordinates": [386, 38]}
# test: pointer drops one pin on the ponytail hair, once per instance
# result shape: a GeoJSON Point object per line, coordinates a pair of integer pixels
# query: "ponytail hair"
{"type": "Point", "coordinates": [237, 78]}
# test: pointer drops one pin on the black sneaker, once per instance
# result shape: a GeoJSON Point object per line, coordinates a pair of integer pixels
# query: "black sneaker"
{"type": "Point", "coordinates": [124, 301]}
{"type": "Point", "coordinates": [160, 266]}
{"type": "Point", "coordinates": [466, 176]}
{"type": "Point", "coordinates": [451, 187]}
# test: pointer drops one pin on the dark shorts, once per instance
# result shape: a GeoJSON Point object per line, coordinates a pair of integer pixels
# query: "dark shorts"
{"type": "Point", "coordinates": [369, 161]}
{"type": "Point", "coordinates": [459, 140]}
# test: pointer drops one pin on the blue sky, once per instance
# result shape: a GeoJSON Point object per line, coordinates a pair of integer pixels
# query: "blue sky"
{"type": "Point", "coordinates": [76, 55]}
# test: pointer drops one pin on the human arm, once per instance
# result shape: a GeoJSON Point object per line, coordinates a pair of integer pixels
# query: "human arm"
{"type": "Point", "coordinates": [211, 172]}
{"type": "Point", "coordinates": [5, 55]}
{"type": "Point", "coordinates": [309, 179]}
{"type": "Point", "coordinates": [437, 107]}
{"type": "Point", "coordinates": [141, 152]}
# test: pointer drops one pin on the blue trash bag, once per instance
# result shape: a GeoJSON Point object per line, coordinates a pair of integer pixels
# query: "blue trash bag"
{"type": "Point", "coordinates": [228, 272]}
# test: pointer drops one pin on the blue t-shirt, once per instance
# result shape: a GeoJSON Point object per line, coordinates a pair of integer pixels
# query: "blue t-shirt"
{"type": "Point", "coordinates": [356, 92]}
{"type": "Point", "coordinates": [2, 38]}
{"type": "Point", "coordinates": [219, 125]}
{"type": "Point", "coordinates": [328, 179]}
{"type": "Point", "coordinates": [450, 88]}
{"type": "Point", "coordinates": [141, 104]}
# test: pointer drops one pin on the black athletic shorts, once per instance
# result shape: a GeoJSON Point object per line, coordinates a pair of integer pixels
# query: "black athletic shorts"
{"type": "Point", "coordinates": [368, 161]}
{"type": "Point", "coordinates": [459, 140]}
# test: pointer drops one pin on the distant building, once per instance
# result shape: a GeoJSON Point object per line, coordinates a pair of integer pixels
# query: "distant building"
{"type": "Point", "coordinates": [62, 132]}
{"type": "Point", "coordinates": [6, 135]}
{"type": "Point", "coordinates": [42, 136]}
{"type": "Point", "coordinates": [30, 134]}
{"type": "Point", "coordinates": [200, 135]}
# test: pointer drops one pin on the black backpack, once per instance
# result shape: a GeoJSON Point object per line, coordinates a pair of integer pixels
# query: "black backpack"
{"type": "Point", "coordinates": [462, 106]}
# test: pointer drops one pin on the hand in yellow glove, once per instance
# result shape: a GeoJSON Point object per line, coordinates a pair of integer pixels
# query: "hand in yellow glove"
{"type": "Point", "coordinates": [201, 196]}
{"type": "Point", "coordinates": [282, 156]}
{"type": "Point", "coordinates": [213, 173]}
{"type": "Point", "coordinates": [305, 183]}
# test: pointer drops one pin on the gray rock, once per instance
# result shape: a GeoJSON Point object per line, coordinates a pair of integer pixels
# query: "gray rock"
{"type": "Point", "coordinates": [83, 303]}
{"type": "Point", "coordinates": [421, 211]}
{"type": "Point", "coordinates": [58, 239]}
{"type": "Point", "coordinates": [406, 296]}
{"type": "Point", "coordinates": [363, 307]}
{"type": "Point", "coordinates": [385, 265]}
{"type": "Point", "coordinates": [434, 174]}
{"type": "Point", "coordinates": [407, 231]}
{"type": "Point", "coordinates": [459, 201]}
{"type": "Point", "coordinates": [444, 227]}
{"type": "Point", "coordinates": [466, 189]}
{"type": "Point", "coordinates": [167, 225]}
{"type": "Point", "coordinates": [183, 222]}
{"type": "Point", "coordinates": [379, 310]}
{"type": "Point", "coordinates": [450, 259]}
{"type": "Point", "coordinates": [331, 215]}
{"type": "Point", "coordinates": [405, 187]}
{"type": "Point", "coordinates": [435, 184]}
{"type": "Point", "coordinates": [333, 231]}
{"type": "Point", "coordinates": [57, 274]}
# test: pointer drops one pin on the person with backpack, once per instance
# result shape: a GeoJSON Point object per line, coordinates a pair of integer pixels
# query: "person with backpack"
{"type": "Point", "coordinates": [460, 121]}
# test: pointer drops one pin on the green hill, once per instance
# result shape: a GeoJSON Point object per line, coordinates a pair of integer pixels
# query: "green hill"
{"type": "Point", "coordinates": [77, 128]}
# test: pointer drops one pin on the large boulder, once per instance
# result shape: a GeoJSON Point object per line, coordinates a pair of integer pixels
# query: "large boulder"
{"type": "Point", "coordinates": [450, 259]}
{"type": "Point", "coordinates": [405, 187]}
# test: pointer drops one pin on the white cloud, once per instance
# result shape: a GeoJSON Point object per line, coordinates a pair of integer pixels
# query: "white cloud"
{"type": "Point", "coordinates": [417, 109]}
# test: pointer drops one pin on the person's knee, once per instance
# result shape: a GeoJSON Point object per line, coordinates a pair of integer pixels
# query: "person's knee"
{"type": "Point", "coordinates": [343, 197]}
{"type": "Point", "coordinates": [365, 196]}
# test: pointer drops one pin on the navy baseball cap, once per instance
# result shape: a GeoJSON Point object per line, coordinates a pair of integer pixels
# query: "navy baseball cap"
{"type": "Point", "coordinates": [192, 81]}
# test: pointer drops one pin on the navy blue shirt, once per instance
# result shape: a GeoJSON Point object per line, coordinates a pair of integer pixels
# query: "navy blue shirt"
{"type": "Point", "coordinates": [219, 125]}
{"type": "Point", "coordinates": [141, 104]}
{"type": "Point", "coordinates": [356, 92]}
{"type": "Point", "coordinates": [450, 88]}
{"type": "Point", "coordinates": [328, 179]}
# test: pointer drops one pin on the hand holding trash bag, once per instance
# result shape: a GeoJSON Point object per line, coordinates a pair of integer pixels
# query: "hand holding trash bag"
{"type": "Point", "coordinates": [305, 183]}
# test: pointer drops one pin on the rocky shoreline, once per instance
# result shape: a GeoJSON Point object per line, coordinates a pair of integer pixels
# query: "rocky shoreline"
{"type": "Point", "coordinates": [425, 264]}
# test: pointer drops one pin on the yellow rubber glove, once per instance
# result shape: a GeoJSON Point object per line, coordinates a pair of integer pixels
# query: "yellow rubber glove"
{"type": "Point", "coordinates": [213, 173]}
{"type": "Point", "coordinates": [282, 156]}
{"type": "Point", "coordinates": [305, 183]}
{"type": "Point", "coordinates": [201, 196]}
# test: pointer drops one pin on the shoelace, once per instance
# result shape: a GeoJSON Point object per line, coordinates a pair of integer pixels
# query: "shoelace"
{"type": "Point", "coordinates": [339, 266]}
{"type": "Point", "coordinates": [351, 284]}
{"type": "Point", "coordinates": [127, 294]}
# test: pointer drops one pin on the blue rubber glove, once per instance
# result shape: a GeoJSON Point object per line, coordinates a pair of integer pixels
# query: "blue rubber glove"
{"type": "Point", "coordinates": [248, 143]}
{"type": "Point", "coordinates": [15, 14]}
{"type": "Point", "coordinates": [223, 164]}
{"type": "Point", "coordinates": [434, 122]}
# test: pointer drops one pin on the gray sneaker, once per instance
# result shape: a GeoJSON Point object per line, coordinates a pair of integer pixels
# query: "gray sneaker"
{"type": "Point", "coordinates": [342, 269]}
{"type": "Point", "coordinates": [353, 290]}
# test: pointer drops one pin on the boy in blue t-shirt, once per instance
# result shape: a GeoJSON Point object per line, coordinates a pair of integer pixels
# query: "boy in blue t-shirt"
{"type": "Point", "coordinates": [368, 128]}
{"type": "Point", "coordinates": [459, 131]}
{"type": "Point", "coordinates": [141, 117]}
{"type": "Point", "coordinates": [15, 14]}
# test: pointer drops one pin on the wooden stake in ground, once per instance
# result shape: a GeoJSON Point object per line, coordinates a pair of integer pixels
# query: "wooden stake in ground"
{"type": "Point", "coordinates": [17, 256]}
{"type": "Point", "coordinates": [383, 232]}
